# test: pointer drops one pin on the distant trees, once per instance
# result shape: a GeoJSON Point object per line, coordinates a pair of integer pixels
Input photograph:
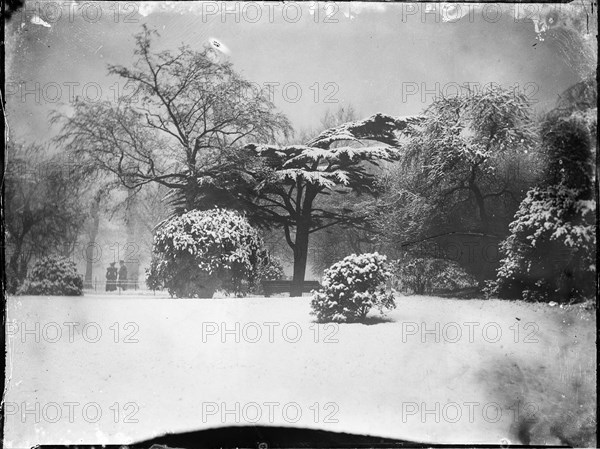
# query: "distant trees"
{"type": "Point", "coordinates": [197, 129]}
{"type": "Point", "coordinates": [42, 208]}
{"type": "Point", "coordinates": [184, 127]}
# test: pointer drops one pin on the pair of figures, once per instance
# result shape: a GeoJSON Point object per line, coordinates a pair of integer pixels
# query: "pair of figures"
{"type": "Point", "coordinates": [116, 278]}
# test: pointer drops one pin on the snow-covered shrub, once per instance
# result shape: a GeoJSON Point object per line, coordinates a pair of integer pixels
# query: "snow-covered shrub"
{"type": "Point", "coordinates": [269, 268]}
{"type": "Point", "coordinates": [551, 248]}
{"type": "Point", "coordinates": [351, 287]}
{"type": "Point", "coordinates": [153, 279]}
{"type": "Point", "coordinates": [422, 275]}
{"type": "Point", "coordinates": [200, 251]}
{"type": "Point", "coordinates": [55, 276]}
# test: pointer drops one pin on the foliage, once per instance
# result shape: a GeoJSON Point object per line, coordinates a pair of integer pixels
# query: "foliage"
{"type": "Point", "coordinates": [351, 287]}
{"type": "Point", "coordinates": [55, 276]}
{"type": "Point", "coordinates": [551, 251]}
{"type": "Point", "coordinates": [568, 142]}
{"type": "Point", "coordinates": [424, 275]}
{"type": "Point", "coordinates": [287, 174]}
{"type": "Point", "coordinates": [197, 251]}
{"type": "Point", "coordinates": [153, 278]}
{"type": "Point", "coordinates": [465, 168]}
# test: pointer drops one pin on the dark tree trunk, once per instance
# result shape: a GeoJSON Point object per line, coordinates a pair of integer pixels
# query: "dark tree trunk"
{"type": "Point", "coordinates": [190, 195]}
{"type": "Point", "coordinates": [485, 222]}
{"type": "Point", "coordinates": [300, 257]}
{"type": "Point", "coordinates": [131, 249]}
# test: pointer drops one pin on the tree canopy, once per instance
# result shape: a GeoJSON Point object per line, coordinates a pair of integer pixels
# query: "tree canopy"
{"type": "Point", "coordinates": [464, 170]}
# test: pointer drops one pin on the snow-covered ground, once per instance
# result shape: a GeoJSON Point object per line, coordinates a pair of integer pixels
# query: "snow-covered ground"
{"type": "Point", "coordinates": [120, 369]}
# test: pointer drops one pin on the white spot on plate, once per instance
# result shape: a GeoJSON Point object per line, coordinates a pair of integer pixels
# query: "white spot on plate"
{"type": "Point", "coordinates": [36, 20]}
{"type": "Point", "coordinates": [219, 46]}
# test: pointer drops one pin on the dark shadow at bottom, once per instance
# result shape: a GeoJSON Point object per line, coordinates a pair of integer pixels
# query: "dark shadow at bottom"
{"type": "Point", "coordinates": [264, 437]}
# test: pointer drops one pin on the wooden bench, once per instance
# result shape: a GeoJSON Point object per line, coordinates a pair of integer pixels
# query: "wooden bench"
{"type": "Point", "coordinates": [283, 286]}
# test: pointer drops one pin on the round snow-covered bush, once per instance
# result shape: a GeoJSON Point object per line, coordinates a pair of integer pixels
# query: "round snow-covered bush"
{"type": "Point", "coordinates": [351, 287]}
{"type": "Point", "coordinates": [201, 251]}
{"type": "Point", "coordinates": [55, 276]}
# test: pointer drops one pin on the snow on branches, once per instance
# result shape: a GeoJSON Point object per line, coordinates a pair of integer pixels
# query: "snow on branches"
{"type": "Point", "coordinates": [380, 127]}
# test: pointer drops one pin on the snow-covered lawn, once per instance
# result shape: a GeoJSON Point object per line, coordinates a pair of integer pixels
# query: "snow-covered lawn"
{"type": "Point", "coordinates": [438, 370]}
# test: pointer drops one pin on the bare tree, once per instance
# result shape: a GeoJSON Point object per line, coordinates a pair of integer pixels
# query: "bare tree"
{"type": "Point", "coordinates": [190, 109]}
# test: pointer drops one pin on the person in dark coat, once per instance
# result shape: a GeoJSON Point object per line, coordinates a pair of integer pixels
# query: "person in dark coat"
{"type": "Point", "coordinates": [111, 278]}
{"type": "Point", "coordinates": [123, 276]}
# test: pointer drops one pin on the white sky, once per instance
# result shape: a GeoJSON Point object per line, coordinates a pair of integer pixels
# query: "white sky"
{"type": "Point", "coordinates": [378, 57]}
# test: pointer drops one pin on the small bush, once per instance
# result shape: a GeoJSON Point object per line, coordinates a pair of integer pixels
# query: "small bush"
{"type": "Point", "coordinates": [352, 287]}
{"type": "Point", "coordinates": [424, 275]}
{"type": "Point", "coordinates": [54, 276]}
{"type": "Point", "coordinates": [269, 269]}
{"type": "Point", "coordinates": [153, 279]}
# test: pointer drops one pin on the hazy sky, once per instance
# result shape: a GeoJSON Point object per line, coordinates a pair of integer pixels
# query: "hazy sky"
{"type": "Point", "coordinates": [390, 58]}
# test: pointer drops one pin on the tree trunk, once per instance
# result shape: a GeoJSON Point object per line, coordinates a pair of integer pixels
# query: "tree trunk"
{"type": "Point", "coordinates": [131, 249]}
{"type": "Point", "coordinates": [93, 233]}
{"type": "Point", "coordinates": [300, 258]}
{"type": "Point", "coordinates": [14, 273]}
{"type": "Point", "coordinates": [14, 258]}
{"type": "Point", "coordinates": [485, 222]}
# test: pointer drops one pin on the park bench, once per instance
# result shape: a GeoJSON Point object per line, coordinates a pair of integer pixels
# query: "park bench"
{"type": "Point", "coordinates": [283, 286]}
